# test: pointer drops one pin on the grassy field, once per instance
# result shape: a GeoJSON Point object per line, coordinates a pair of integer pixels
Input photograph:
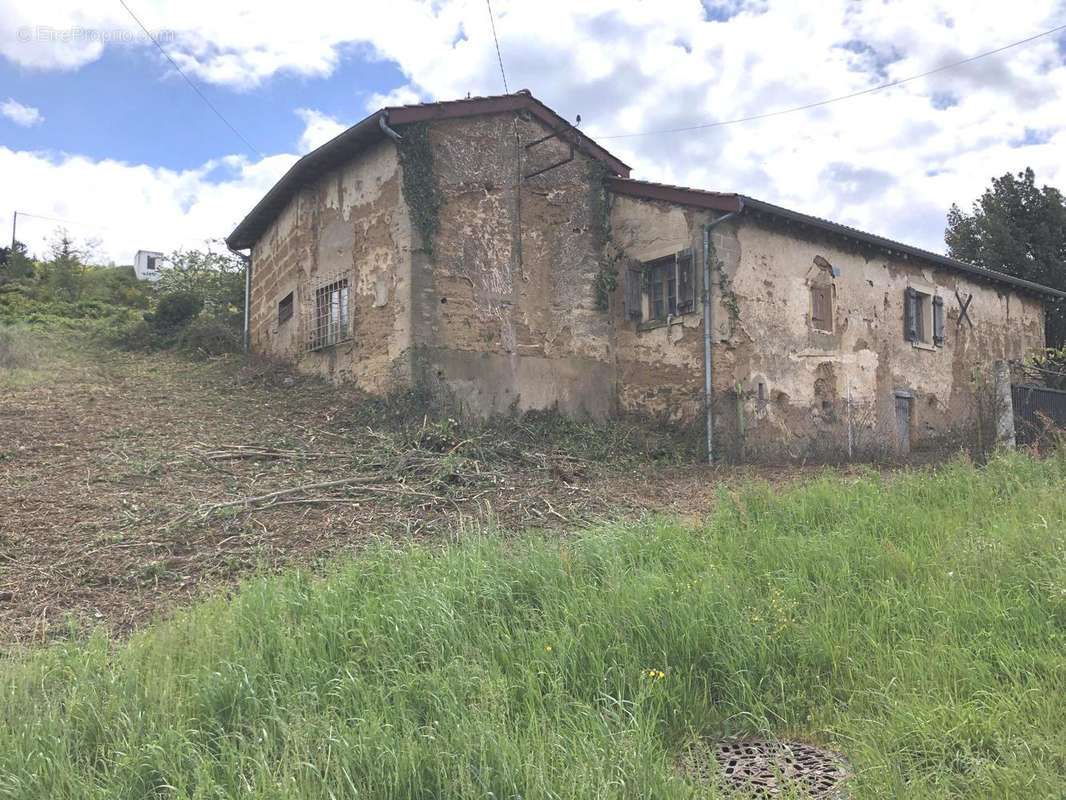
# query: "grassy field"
{"type": "Point", "coordinates": [914, 623]}
{"type": "Point", "coordinates": [132, 483]}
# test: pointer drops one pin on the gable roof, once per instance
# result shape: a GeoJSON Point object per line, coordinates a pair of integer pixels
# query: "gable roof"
{"type": "Point", "coordinates": [372, 129]}
{"type": "Point", "coordinates": [739, 203]}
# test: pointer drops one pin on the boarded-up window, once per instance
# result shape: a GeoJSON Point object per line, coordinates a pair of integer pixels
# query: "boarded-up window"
{"type": "Point", "coordinates": [330, 323]}
{"type": "Point", "coordinates": [822, 308]}
{"type": "Point", "coordinates": [285, 307]}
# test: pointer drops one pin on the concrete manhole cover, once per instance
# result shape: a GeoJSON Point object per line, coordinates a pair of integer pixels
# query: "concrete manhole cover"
{"type": "Point", "coordinates": [759, 768]}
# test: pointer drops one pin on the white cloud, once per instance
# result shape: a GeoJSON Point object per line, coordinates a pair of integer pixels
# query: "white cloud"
{"type": "Point", "coordinates": [130, 207]}
{"type": "Point", "coordinates": [26, 116]}
{"type": "Point", "coordinates": [891, 162]}
{"type": "Point", "coordinates": [319, 128]}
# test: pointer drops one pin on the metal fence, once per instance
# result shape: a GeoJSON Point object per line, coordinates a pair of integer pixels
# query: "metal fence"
{"type": "Point", "coordinates": [1037, 412]}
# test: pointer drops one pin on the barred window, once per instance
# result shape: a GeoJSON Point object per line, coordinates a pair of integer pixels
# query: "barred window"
{"type": "Point", "coordinates": [330, 321]}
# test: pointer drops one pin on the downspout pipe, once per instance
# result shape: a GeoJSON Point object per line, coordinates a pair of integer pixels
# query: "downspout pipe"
{"type": "Point", "coordinates": [708, 319]}
{"type": "Point", "coordinates": [383, 123]}
{"type": "Point", "coordinates": [247, 260]}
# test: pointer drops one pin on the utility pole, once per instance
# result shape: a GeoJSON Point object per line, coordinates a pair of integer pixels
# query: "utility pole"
{"type": "Point", "coordinates": [14, 222]}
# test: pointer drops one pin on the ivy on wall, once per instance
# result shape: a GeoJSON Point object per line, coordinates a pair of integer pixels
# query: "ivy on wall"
{"type": "Point", "coordinates": [420, 182]}
{"type": "Point", "coordinates": [606, 280]}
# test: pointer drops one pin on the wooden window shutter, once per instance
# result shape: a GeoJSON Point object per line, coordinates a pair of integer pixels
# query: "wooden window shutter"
{"type": "Point", "coordinates": [686, 283]}
{"type": "Point", "coordinates": [910, 314]}
{"type": "Point", "coordinates": [938, 321]}
{"type": "Point", "coordinates": [820, 314]}
{"type": "Point", "coordinates": [634, 288]}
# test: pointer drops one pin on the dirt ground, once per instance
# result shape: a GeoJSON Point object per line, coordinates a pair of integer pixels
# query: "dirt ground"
{"type": "Point", "coordinates": [130, 483]}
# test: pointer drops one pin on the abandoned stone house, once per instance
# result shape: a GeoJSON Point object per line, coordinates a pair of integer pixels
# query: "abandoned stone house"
{"type": "Point", "coordinates": [490, 251]}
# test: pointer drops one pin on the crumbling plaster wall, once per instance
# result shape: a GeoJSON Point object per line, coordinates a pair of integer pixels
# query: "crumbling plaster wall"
{"type": "Point", "coordinates": [352, 222]}
{"type": "Point", "coordinates": [808, 375]}
{"type": "Point", "coordinates": [504, 295]}
{"type": "Point", "coordinates": [762, 334]}
{"type": "Point", "coordinates": [660, 367]}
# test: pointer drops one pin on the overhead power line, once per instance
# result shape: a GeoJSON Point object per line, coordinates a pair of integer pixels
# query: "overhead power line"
{"type": "Point", "coordinates": [189, 81]}
{"type": "Point", "coordinates": [499, 57]}
{"type": "Point", "coordinates": [64, 221]}
{"type": "Point", "coordinates": [852, 95]}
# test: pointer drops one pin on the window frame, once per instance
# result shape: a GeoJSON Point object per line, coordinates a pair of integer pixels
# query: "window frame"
{"type": "Point", "coordinates": [926, 330]}
{"type": "Point", "coordinates": [667, 288]}
{"type": "Point", "coordinates": [660, 282]}
{"type": "Point", "coordinates": [286, 308]}
{"type": "Point", "coordinates": [331, 322]}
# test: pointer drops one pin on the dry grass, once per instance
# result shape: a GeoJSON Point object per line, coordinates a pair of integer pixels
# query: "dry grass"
{"type": "Point", "coordinates": [131, 482]}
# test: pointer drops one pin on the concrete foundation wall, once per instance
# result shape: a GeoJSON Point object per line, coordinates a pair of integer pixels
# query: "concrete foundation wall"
{"type": "Point", "coordinates": [352, 223]}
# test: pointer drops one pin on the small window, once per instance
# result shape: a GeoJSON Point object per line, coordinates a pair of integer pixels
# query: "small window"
{"type": "Point", "coordinates": [285, 308]}
{"type": "Point", "coordinates": [669, 288]}
{"type": "Point", "coordinates": [149, 264]}
{"type": "Point", "coordinates": [923, 317]}
{"type": "Point", "coordinates": [330, 315]}
{"type": "Point", "coordinates": [661, 277]}
{"type": "Point", "coordinates": [822, 308]}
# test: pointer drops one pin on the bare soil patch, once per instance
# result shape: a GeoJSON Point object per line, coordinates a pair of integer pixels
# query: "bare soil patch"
{"type": "Point", "coordinates": [131, 482]}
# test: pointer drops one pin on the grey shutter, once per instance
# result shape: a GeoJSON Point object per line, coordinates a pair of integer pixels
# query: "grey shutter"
{"type": "Point", "coordinates": [686, 283]}
{"type": "Point", "coordinates": [633, 291]}
{"type": "Point", "coordinates": [910, 314]}
{"type": "Point", "coordinates": [938, 321]}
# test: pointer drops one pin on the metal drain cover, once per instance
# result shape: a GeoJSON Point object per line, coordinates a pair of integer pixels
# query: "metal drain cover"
{"type": "Point", "coordinates": [760, 768]}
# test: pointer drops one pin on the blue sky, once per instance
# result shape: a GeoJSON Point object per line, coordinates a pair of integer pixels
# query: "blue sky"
{"type": "Point", "coordinates": [108, 134]}
{"type": "Point", "coordinates": [129, 107]}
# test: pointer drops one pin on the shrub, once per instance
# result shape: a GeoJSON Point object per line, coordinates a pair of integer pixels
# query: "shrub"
{"type": "Point", "coordinates": [209, 337]}
{"type": "Point", "coordinates": [175, 310]}
{"type": "Point", "coordinates": [136, 335]}
{"type": "Point", "coordinates": [17, 350]}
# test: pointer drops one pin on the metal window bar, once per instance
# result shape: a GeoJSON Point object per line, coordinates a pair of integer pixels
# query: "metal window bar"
{"type": "Point", "coordinates": [330, 318]}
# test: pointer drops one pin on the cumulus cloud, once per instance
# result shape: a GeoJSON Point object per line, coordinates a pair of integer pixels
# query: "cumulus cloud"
{"type": "Point", "coordinates": [891, 162]}
{"type": "Point", "coordinates": [26, 116]}
{"type": "Point", "coordinates": [319, 128]}
{"type": "Point", "coordinates": [130, 207]}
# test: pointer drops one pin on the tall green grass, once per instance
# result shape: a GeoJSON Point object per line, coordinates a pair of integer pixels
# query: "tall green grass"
{"type": "Point", "coordinates": [916, 624]}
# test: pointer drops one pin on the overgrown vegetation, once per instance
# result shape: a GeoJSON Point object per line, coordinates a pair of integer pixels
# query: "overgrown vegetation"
{"type": "Point", "coordinates": [1017, 228]}
{"type": "Point", "coordinates": [420, 188]}
{"type": "Point", "coordinates": [197, 305]}
{"type": "Point", "coordinates": [915, 624]}
{"type": "Point", "coordinates": [18, 348]}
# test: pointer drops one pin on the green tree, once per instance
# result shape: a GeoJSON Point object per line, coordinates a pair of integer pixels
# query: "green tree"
{"type": "Point", "coordinates": [15, 264]}
{"type": "Point", "coordinates": [65, 271]}
{"type": "Point", "coordinates": [1020, 229]}
{"type": "Point", "coordinates": [217, 278]}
